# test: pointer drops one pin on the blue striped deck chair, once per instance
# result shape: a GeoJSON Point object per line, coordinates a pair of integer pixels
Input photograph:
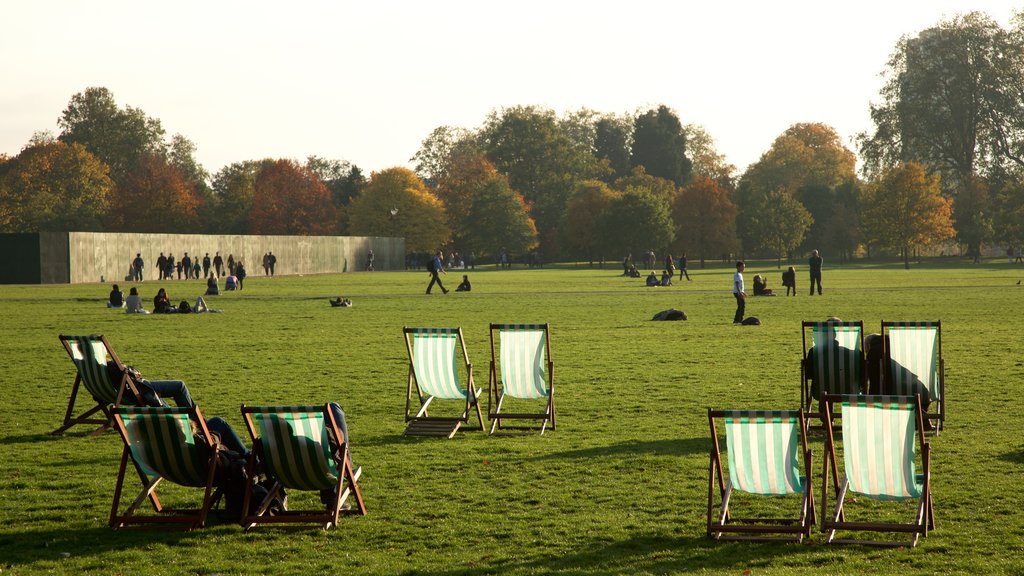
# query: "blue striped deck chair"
{"type": "Point", "coordinates": [434, 362]}
{"type": "Point", "coordinates": [913, 365]}
{"type": "Point", "coordinates": [833, 361]}
{"type": "Point", "coordinates": [767, 456]}
{"type": "Point", "coordinates": [299, 448]}
{"type": "Point", "coordinates": [161, 445]}
{"type": "Point", "coordinates": [521, 370]}
{"type": "Point", "coordinates": [91, 354]}
{"type": "Point", "coordinates": [880, 463]}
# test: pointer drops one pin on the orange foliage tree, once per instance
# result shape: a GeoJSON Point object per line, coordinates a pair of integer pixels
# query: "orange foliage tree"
{"type": "Point", "coordinates": [289, 199]}
{"type": "Point", "coordinates": [397, 203]}
{"type": "Point", "coordinates": [154, 197]}
{"type": "Point", "coordinates": [468, 173]}
{"type": "Point", "coordinates": [589, 200]}
{"type": "Point", "coordinates": [705, 218]}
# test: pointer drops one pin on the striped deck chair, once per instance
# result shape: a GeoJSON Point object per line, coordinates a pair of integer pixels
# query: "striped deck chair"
{"type": "Point", "coordinates": [879, 462]}
{"type": "Point", "coordinates": [914, 365]}
{"type": "Point", "coordinates": [768, 456]}
{"type": "Point", "coordinates": [833, 361]}
{"type": "Point", "coordinates": [522, 370]}
{"type": "Point", "coordinates": [300, 448]}
{"type": "Point", "coordinates": [91, 355]}
{"type": "Point", "coordinates": [434, 374]}
{"type": "Point", "coordinates": [161, 444]}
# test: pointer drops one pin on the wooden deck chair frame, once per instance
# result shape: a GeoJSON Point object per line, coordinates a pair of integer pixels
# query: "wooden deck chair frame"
{"type": "Point", "coordinates": [439, 380]}
{"type": "Point", "coordinates": [105, 392]}
{"type": "Point", "coordinates": [307, 451]}
{"type": "Point", "coordinates": [872, 427]}
{"type": "Point", "coordinates": [849, 333]}
{"type": "Point", "coordinates": [906, 351]}
{"type": "Point", "coordinates": [166, 449]}
{"type": "Point", "coordinates": [521, 369]}
{"type": "Point", "coordinates": [759, 474]}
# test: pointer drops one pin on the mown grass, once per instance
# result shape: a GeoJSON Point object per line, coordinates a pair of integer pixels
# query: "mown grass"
{"type": "Point", "coordinates": [619, 487]}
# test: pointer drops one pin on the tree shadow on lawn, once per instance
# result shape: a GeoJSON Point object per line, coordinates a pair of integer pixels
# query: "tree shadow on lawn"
{"type": "Point", "coordinates": [38, 438]}
{"type": "Point", "coordinates": [666, 447]}
{"type": "Point", "coordinates": [1016, 457]}
{"type": "Point", "coordinates": [639, 554]}
{"type": "Point", "coordinates": [27, 547]}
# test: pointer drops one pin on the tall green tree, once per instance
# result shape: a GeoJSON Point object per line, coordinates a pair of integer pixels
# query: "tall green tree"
{"type": "Point", "coordinates": [612, 138]}
{"type": "Point", "coordinates": [777, 223]}
{"type": "Point", "coordinates": [434, 156]}
{"type": "Point", "coordinates": [233, 190]}
{"type": "Point", "coordinates": [659, 145]}
{"type": "Point", "coordinates": [634, 222]}
{"type": "Point", "coordinates": [498, 219]}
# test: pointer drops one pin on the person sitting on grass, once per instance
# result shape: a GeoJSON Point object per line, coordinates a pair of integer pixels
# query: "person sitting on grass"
{"type": "Point", "coordinates": [652, 280]}
{"type": "Point", "coordinates": [761, 286]}
{"type": "Point", "coordinates": [211, 286]}
{"type": "Point", "coordinates": [666, 277]}
{"type": "Point", "coordinates": [116, 299]}
{"type": "Point", "coordinates": [134, 302]}
{"type": "Point", "coordinates": [465, 286]}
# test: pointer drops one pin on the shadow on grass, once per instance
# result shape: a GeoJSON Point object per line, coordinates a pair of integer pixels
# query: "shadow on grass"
{"type": "Point", "coordinates": [647, 554]}
{"type": "Point", "coordinates": [37, 438]}
{"type": "Point", "coordinates": [1016, 457]}
{"type": "Point", "coordinates": [668, 447]}
{"type": "Point", "coordinates": [28, 547]}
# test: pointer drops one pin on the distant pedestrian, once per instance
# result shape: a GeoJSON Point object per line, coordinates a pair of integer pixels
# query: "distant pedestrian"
{"type": "Point", "coordinates": [682, 268]}
{"type": "Point", "coordinates": [369, 261]}
{"type": "Point", "coordinates": [206, 265]}
{"type": "Point", "coordinates": [789, 280]}
{"type": "Point", "coordinates": [231, 264]}
{"type": "Point", "coordinates": [434, 267]}
{"type": "Point", "coordinates": [240, 273]}
{"type": "Point", "coordinates": [815, 264]}
{"type": "Point", "coordinates": [273, 262]}
{"type": "Point", "coordinates": [739, 291]}
{"type": "Point", "coordinates": [218, 264]}
{"type": "Point", "coordinates": [137, 267]}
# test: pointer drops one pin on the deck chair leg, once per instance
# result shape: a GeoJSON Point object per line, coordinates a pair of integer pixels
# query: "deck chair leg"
{"type": "Point", "coordinates": [496, 422]}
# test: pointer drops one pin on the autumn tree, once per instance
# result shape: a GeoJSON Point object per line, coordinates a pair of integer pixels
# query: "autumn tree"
{"type": "Point", "coordinates": [634, 222]}
{"type": "Point", "coordinates": [589, 200]}
{"type": "Point", "coordinates": [467, 174]}
{"type": "Point", "coordinates": [498, 219]}
{"type": "Point", "coordinates": [705, 218]}
{"type": "Point", "coordinates": [53, 186]}
{"type": "Point", "coordinates": [659, 145]}
{"type": "Point", "coordinates": [153, 197]}
{"type": "Point", "coordinates": [289, 199]}
{"type": "Point", "coordinates": [904, 208]}
{"type": "Point", "coordinates": [661, 188]}
{"type": "Point", "coordinates": [396, 202]}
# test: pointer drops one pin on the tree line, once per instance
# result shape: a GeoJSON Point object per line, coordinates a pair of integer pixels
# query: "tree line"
{"type": "Point", "coordinates": [943, 162]}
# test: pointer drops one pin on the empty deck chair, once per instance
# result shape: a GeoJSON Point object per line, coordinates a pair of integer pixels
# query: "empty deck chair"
{"type": "Point", "coordinates": [91, 355]}
{"type": "Point", "coordinates": [434, 375]}
{"type": "Point", "coordinates": [767, 456]}
{"type": "Point", "coordinates": [521, 370]}
{"type": "Point", "coordinates": [879, 462]}
{"type": "Point", "coordinates": [913, 365]}
{"type": "Point", "coordinates": [833, 361]}
{"type": "Point", "coordinates": [170, 444]}
{"type": "Point", "coordinates": [300, 448]}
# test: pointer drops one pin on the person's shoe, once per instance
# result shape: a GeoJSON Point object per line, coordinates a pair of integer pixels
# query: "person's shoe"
{"type": "Point", "coordinates": [445, 291]}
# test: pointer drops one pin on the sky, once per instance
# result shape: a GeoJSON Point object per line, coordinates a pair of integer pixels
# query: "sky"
{"type": "Point", "coordinates": [367, 81]}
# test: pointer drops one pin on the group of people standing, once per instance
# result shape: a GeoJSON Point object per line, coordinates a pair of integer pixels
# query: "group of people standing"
{"type": "Point", "coordinates": [668, 273]}
{"type": "Point", "coordinates": [188, 267]}
{"type": "Point", "coordinates": [761, 284]}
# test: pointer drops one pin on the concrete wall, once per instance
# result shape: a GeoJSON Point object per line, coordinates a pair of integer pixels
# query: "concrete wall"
{"type": "Point", "coordinates": [78, 257]}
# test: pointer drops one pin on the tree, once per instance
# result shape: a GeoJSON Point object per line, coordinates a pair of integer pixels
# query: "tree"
{"type": "Point", "coordinates": [635, 222]}
{"type": "Point", "coordinates": [181, 154]}
{"type": "Point", "coordinates": [54, 186]}
{"type": "Point", "coordinates": [498, 219]}
{"type": "Point", "coordinates": [952, 101]}
{"type": "Point", "coordinates": [233, 190]}
{"type": "Point", "coordinates": [397, 203]}
{"type": "Point", "coordinates": [433, 157]}
{"type": "Point", "coordinates": [707, 161]}
{"type": "Point", "coordinates": [659, 145]}
{"type": "Point", "coordinates": [705, 218]}
{"type": "Point", "coordinates": [153, 197]}
{"type": "Point", "coordinates": [289, 199]}
{"type": "Point", "coordinates": [660, 187]}
{"type": "Point", "coordinates": [905, 208]}
{"type": "Point", "coordinates": [612, 136]}
{"type": "Point", "coordinates": [589, 200]}
{"type": "Point", "coordinates": [777, 223]}
{"type": "Point", "coordinates": [467, 174]}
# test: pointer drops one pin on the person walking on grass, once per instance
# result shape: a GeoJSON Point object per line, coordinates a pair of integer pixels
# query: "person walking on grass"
{"type": "Point", "coordinates": [739, 292]}
{"type": "Point", "coordinates": [434, 267]}
{"type": "Point", "coordinates": [815, 265]}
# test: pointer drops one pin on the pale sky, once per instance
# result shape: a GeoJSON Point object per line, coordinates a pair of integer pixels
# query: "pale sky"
{"type": "Point", "coordinates": [367, 81]}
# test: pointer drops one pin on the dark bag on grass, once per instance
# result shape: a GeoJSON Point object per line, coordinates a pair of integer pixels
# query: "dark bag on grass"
{"type": "Point", "coordinates": [751, 321]}
{"type": "Point", "coordinates": [670, 314]}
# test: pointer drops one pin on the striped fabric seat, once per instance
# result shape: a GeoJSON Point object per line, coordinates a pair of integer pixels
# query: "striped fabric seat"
{"type": "Point", "coordinates": [879, 462]}
{"type": "Point", "coordinates": [293, 444]}
{"type": "Point", "coordinates": [90, 356]}
{"type": "Point", "coordinates": [434, 364]}
{"type": "Point", "coordinates": [168, 443]}
{"type": "Point", "coordinates": [834, 361]}
{"type": "Point", "coordinates": [763, 452]}
{"type": "Point", "coordinates": [767, 456]}
{"type": "Point", "coordinates": [521, 370]}
{"type": "Point", "coordinates": [914, 365]}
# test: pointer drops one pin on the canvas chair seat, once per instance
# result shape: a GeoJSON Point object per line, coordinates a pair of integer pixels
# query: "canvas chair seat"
{"type": "Point", "coordinates": [299, 448]}
{"type": "Point", "coordinates": [91, 356]}
{"type": "Point", "coordinates": [434, 375]}
{"type": "Point", "coordinates": [833, 361]}
{"type": "Point", "coordinates": [913, 364]}
{"type": "Point", "coordinates": [521, 370]}
{"type": "Point", "coordinates": [767, 456]}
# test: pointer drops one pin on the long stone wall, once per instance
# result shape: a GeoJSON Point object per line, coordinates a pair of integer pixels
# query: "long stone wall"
{"type": "Point", "coordinates": [90, 256]}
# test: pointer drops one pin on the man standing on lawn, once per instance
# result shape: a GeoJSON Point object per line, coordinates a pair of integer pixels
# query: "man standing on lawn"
{"type": "Point", "coordinates": [739, 292]}
{"type": "Point", "coordinates": [815, 265]}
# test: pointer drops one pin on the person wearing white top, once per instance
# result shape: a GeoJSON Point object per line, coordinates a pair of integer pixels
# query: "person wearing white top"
{"type": "Point", "coordinates": [739, 292]}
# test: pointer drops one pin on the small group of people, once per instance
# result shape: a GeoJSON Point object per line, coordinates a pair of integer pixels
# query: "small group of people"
{"type": "Point", "coordinates": [269, 264]}
{"type": "Point", "coordinates": [761, 283]}
{"type": "Point", "coordinates": [161, 302]}
{"type": "Point", "coordinates": [190, 268]}
{"type": "Point", "coordinates": [666, 279]}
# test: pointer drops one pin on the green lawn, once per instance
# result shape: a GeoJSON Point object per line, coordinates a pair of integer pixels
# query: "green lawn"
{"type": "Point", "coordinates": [619, 487]}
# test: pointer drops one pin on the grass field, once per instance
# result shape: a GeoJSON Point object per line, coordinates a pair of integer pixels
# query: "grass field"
{"type": "Point", "coordinates": [619, 487]}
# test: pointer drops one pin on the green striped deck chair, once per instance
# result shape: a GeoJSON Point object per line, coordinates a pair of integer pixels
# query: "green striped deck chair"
{"type": "Point", "coordinates": [161, 445]}
{"type": "Point", "coordinates": [833, 361]}
{"type": "Point", "coordinates": [879, 462]}
{"type": "Point", "coordinates": [90, 354]}
{"type": "Point", "coordinates": [299, 448]}
{"type": "Point", "coordinates": [914, 365]}
{"type": "Point", "coordinates": [767, 456]}
{"type": "Point", "coordinates": [434, 375]}
{"type": "Point", "coordinates": [521, 370]}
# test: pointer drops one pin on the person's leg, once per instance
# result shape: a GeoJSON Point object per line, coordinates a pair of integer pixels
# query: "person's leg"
{"type": "Point", "coordinates": [812, 285]}
{"type": "Point", "coordinates": [433, 280]}
{"type": "Point", "coordinates": [327, 496]}
{"type": "Point", "coordinates": [740, 309]}
{"type": "Point", "coordinates": [228, 437]}
{"type": "Point", "coordinates": [174, 389]}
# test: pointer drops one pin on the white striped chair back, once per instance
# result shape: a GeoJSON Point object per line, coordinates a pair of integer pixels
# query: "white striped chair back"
{"type": "Point", "coordinates": [914, 357]}
{"type": "Point", "coordinates": [434, 362]}
{"type": "Point", "coordinates": [764, 451]}
{"type": "Point", "coordinates": [522, 360]}
{"type": "Point", "coordinates": [838, 348]}
{"type": "Point", "coordinates": [162, 444]}
{"type": "Point", "coordinates": [295, 446]}
{"type": "Point", "coordinates": [878, 446]}
{"type": "Point", "coordinates": [89, 354]}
